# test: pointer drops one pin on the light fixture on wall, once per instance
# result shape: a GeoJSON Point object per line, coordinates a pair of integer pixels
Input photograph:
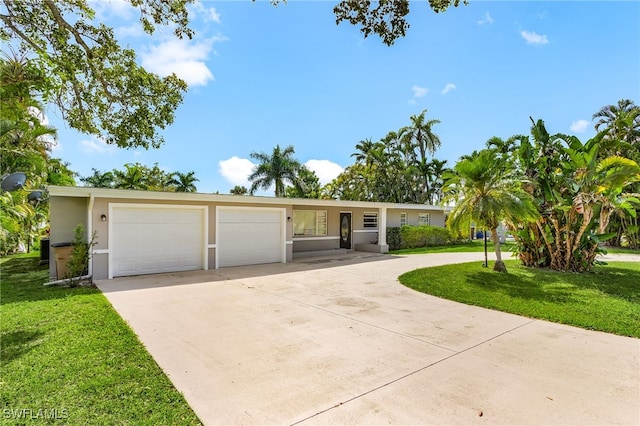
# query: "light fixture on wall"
{"type": "Point", "coordinates": [103, 217]}
{"type": "Point", "coordinates": [288, 218]}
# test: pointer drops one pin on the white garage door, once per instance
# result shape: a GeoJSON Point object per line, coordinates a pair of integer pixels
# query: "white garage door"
{"type": "Point", "coordinates": [155, 239]}
{"type": "Point", "coordinates": [249, 236]}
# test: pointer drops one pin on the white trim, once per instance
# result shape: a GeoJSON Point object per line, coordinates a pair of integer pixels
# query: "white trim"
{"type": "Point", "coordinates": [288, 243]}
{"type": "Point", "coordinates": [365, 230]}
{"type": "Point", "coordinates": [303, 238]}
{"type": "Point", "coordinates": [90, 231]}
{"type": "Point", "coordinates": [100, 251]}
{"type": "Point", "coordinates": [210, 246]}
{"type": "Point", "coordinates": [136, 195]}
{"type": "Point", "coordinates": [283, 227]}
{"type": "Point", "coordinates": [205, 226]}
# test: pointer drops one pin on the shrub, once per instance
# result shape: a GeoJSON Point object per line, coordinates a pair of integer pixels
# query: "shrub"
{"type": "Point", "coordinates": [424, 236]}
{"type": "Point", "coordinates": [394, 238]}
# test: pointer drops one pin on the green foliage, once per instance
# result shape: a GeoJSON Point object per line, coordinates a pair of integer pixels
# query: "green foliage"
{"type": "Point", "coordinates": [387, 19]}
{"type": "Point", "coordinates": [275, 169]}
{"type": "Point", "coordinates": [239, 190]}
{"type": "Point", "coordinates": [141, 177]}
{"type": "Point", "coordinates": [424, 236]}
{"type": "Point", "coordinates": [308, 185]}
{"type": "Point", "coordinates": [78, 262]}
{"type": "Point", "coordinates": [395, 169]}
{"type": "Point", "coordinates": [25, 144]}
{"type": "Point", "coordinates": [577, 188]}
{"type": "Point", "coordinates": [394, 238]}
{"type": "Point", "coordinates": [97, 85]}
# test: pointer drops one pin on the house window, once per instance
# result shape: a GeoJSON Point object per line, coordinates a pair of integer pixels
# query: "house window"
{"type": "Point", "coordinates": [370, 220]}
{"type": "Point", "coordinates": [403, 219]}
{"type": "Point", "coordinates": [423, 218]}
{"type": "Point", "coordinates": [310, 222]}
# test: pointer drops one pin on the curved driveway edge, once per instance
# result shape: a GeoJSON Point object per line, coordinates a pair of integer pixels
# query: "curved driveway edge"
{"type": "Point", "coordinates": [340, 341]}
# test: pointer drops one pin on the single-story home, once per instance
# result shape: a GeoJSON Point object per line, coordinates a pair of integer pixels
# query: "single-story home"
{"type": "Point", "coordinates": [147, 232]}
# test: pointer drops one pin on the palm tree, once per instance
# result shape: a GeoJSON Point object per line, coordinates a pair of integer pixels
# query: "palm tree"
{"type": "Point", "coordinates": [621, 121]}
{"type": "Point", "coordinates": [184, 182]}
{"type": "Point", "coordinates": [486, 192]}
{"type": "Point", "coordinates": [419, 135]}
{"type": "Point", "coordinates": [239, 190]}
{"type": "Point", "coordinates": [98, 179]}
{"type": "Point", "coordinates": [275, 169]}
{"type": "Point", "coordinates": [131, 178]}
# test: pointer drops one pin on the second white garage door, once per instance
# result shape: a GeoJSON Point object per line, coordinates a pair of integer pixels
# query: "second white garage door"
{"type": "Point", "coordinates": [248, 236]}
{"type": "Point", "coordinates": [150, 239]}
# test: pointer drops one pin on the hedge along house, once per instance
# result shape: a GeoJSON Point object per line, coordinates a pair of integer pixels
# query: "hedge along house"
{"type": "Point", "coordinates": [146, 232]}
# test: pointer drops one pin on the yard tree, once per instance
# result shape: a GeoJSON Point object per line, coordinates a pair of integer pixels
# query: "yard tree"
{"type": "Point", "coordinates": [97, 85]}
{"type": "Point", "coordinates": [183, 182]}
{"type": "Point", "coordinates": [25, 143]}
{"type": "Point", "coordinates": [275, 169]}
{"type": "Point", "coordinates": [576, 191]}
{"type": "Point", "coordinates": [485, 191]}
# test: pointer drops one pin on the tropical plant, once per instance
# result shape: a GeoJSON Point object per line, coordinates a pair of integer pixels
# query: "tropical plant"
{"type": "Point", "coordinates": [275, 169]}
{"type": "Point", "coordinates": [308, 185]}
{"type": "Point", "coordinates": [620, 122]}
{"type": "Point", "coordinates": [98, 86]}
{"type": "Point", "coordinates": [183, 182]}
{"type": "Point", "coordinates": [98, 179]}
{"type": "Point", "coordinates": [576, 191]}
{"type": "Point", "coordinates": [485, 191]}
{"type": "Point", "coordinates": [239, 190]}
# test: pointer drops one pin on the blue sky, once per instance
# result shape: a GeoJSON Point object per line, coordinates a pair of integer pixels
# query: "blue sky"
{"type": "Point", "coordinates": [261, 75]}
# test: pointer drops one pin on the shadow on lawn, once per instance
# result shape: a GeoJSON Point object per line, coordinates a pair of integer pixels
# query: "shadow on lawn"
{"type": "Point", "coordinates": [17, 343]}
{"type": "Point", "coordinates": [22, 280]}
{"type": "Point", "coordinates": [543, 285]}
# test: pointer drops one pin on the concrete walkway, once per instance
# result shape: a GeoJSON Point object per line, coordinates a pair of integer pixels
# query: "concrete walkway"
{"type": "Point", "coordinates": [340, 341]}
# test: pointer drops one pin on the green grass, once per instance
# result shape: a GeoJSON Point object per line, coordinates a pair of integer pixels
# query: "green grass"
{"type": "Point", "coordinates": [605, 300]}
{"type": "Point", "coordinates": [620, 250]}
{"type": "Point", "coordinates": [65, 351]}
{"type": "Point", "coordinates": [465, 247]}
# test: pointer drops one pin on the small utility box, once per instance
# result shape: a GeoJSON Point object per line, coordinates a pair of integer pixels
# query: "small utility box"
{"type": "Point", "coordinates": [62, 254]}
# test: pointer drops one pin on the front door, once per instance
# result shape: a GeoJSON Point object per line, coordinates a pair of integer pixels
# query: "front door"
{"type": "Point", "coordinates": [345, 230]}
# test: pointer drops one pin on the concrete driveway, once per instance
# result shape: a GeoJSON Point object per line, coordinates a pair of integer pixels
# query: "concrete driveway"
{"type": "Point", "coordinates": [340, 341]}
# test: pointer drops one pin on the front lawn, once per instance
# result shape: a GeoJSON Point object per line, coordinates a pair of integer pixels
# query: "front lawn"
{"type": "Point", "coordinates": [68, 356]}
{"type": "Point", "coordinates": [605, 300]}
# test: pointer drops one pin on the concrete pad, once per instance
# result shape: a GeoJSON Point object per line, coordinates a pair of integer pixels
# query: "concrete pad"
{"type": "Point", "coordinates": [340, 341]}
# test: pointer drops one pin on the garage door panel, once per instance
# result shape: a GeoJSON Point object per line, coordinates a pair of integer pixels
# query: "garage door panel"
{"type": "Point", "coordinates": [247, 237]}
{"type": "Point", "coordinates": [148, 240]}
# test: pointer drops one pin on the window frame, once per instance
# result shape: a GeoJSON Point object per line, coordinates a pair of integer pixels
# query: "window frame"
{"type": "Point", "coordinates": [421, 221]}
{"type": "Point", "coordinates": [321, 223]}
{"type": "Point", "coordinates": [404, 217]}
{"type": "Point", "coordinates": [370, 224]}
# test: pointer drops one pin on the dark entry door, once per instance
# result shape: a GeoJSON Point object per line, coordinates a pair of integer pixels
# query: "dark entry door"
{"type": "Point", "coordinates": [345, 230]}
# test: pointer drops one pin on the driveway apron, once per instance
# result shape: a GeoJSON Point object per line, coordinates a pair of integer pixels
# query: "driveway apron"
{"type": "Point", "coordinates": [340, 341]}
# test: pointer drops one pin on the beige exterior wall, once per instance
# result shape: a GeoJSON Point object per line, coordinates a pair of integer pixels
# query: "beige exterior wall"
{"type": "Point", "coordinates": [66, 214]}
{"type": "Point", "coordinates": [69, 210]}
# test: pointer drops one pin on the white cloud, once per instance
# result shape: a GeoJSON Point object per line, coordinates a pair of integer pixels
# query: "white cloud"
{"type": "Point", "coordinates": [95, 146]}
{"type": "Point", "coordinates": [534, 38]}
{"type": "Point", "coordinates": [236, 170]}
{"type": "Point", "coordinates": [419, 92]}
{"type": "Point", "coordinates": [448, 87]}
{"type": "Point", "coordinates": [487, 19]}
{"type": "Point", "coordinates": [209, 14]}
{"type": "Point", "coordinates": [325, 170]}
{"type": "Point", "coordinates": [184, 57]}
{"type": "Point", "coordinates": [579, 126]}
{"type": "Point", "coordinates": [120, 8]}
